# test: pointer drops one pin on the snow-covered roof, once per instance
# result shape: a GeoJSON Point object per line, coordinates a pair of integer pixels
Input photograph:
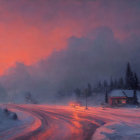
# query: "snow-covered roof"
{"type": "Point", "coordinates": [119, 93]}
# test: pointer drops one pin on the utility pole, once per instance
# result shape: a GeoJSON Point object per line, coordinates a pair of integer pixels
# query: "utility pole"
{"type": "Point", "coordinates": [86, 92]}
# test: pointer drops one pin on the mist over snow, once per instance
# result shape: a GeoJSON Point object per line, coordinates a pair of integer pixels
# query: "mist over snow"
{"type": "Point", "coordinates": [96, 56]}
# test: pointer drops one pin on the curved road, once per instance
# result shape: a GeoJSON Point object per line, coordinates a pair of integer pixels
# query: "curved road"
{"type": "Point", "coordinates": [51, 123]}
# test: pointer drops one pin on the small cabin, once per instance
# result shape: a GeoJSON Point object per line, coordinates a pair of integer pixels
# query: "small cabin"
{"type": "Point", "coordinates": [121, 97]}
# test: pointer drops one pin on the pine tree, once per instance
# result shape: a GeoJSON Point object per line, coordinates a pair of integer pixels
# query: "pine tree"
{"type": "Point", "coordinates": [111, 84]}
{"type": "Point", "coordinates": [99, 85]}
{"type": "Point", "coordinates": [89, 90]}
{"type": "Point", "coordinates": [135, 87]}
{"type": "Point", "coordinates": [77, 92]}
{"type": "Point", "coordinates": [132, 82]}
{"type": "Point", "coordinates": [106, 97]}
{"type": "Point", "coordinates": [136, 81]}
{"type": "Point", "coordinates": [115, 83]}
{"type": "Point", "coordinates": [105, 84]}
{"type": "Point", "coordinates": [121, 83]}
{"type": "Point", "coordinates": [135, 97]}
{"type": "Point", "coordinates": [129, 77]}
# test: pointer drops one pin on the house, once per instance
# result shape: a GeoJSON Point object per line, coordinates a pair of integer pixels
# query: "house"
{"type": "Point", "coordinates": [121, 97]}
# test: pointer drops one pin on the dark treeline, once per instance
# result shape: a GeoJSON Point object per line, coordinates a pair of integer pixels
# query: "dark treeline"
{"type": "Point", "coordinates": [85, 92]}
{"type": "Point", "coordinates": [128, 81]}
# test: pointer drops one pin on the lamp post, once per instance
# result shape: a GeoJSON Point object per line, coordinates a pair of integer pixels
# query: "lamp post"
{"type": "Point", "coordinates": [86, 92]}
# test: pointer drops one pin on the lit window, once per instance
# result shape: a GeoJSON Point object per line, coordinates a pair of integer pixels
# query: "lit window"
{"type": "Point", "coordinates": [123, 101]}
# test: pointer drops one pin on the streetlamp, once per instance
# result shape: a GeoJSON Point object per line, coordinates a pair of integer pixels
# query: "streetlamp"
{"type": "Point", "coordinates": [86, 92]}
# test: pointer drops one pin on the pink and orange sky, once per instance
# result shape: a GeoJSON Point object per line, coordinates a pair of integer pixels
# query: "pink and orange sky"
{"type": "Point", "coordinates": [30, 30]}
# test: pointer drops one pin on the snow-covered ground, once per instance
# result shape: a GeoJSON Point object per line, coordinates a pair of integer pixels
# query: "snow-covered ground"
{"type": "Point", "coordinates": [12, 127]}
{"type": "Point", "coordinates": [64, 122]}
{"type": "Point", "coordinates": [115, 123]}
{"type": "Point", "coordinates": [7, 119]}
{"type": "Point", "coordinates": [120, 124]}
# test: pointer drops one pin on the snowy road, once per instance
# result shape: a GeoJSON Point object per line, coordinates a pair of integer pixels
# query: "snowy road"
{"type": "Point", "coordinates": [52, 123]}
{"type": "Point", "coordinates": [46, 122]}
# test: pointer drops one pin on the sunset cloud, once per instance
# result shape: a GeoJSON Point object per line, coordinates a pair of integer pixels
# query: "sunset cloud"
{"type": "Point", "coordinates": [30, 30]}
{"type": "Point", "coordinates": [85, 60]}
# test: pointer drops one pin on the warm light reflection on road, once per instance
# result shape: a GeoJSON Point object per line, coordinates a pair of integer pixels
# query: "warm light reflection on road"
{"type": "Point", "coordinates": [54, 122]}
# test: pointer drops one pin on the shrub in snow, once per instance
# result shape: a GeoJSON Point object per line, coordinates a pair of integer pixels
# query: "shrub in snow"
{"type": "Point", "coordinates": [13, 116]}
{"type": "Point", "coordinates": [6, 111]}
{"type": "Point", "coordinates": [9, 114]}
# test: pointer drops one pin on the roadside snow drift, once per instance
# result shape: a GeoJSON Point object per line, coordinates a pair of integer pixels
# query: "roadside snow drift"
{"type": "Point", "coordinates": [121, 124]}
{"type": "Point", "coordinates": [8, 119]}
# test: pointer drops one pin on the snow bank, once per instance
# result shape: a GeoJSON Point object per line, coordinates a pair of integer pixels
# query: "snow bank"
{"type": "Point", "coordinates": [11, 128]}
{"type": "Point", "coordinates": [120, 124]}
{"type": "Point", "coordinates": [117, 131]}
{"type": "Point", "coordinates": [7, 119]}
